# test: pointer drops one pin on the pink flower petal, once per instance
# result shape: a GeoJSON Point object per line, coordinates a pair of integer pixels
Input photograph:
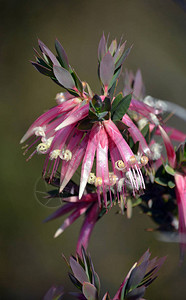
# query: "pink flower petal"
{"type": "Point", "coordinates": [49, 115]}
{"type": "Point", "coordinates": [169, 147]}
{"type": "Point", "coordinates": [87, 227]}
{"type": "Point", "coordinates": [74, 163]}
{"type": "Point", "coordinates": [136, 134]}
{"type": "Point", "coordinates": [79, 114]}
{"type": "Point", "coordinates": [88, 158]}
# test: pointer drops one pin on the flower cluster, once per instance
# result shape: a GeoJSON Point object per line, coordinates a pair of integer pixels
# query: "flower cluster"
{"type": "Point", "coordinates": [111, 137]}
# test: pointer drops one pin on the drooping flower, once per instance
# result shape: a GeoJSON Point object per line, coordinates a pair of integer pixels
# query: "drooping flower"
{"type": "Point", "coordinates": [177, 168]}
{"type": "Point", "coordinates": [87, 206]}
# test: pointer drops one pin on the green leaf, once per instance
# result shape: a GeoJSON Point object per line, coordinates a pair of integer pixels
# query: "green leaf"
{"type": "Point", "coordinates": [135, 147]}
{"type": "Point", "coordinates": [146, 132]}
{"type": "Point", "coordinates": [78, 82]}
{"type": "Point", "coordinates": [115, 102]}
{"type": "Point", "coordinates": [114, 78]}
{"type": "Point", "coordinates": [120, 125]}
{"type": "Point", "coordinates": [122, 58]}
{"type": "Point", "coordinates": [171, 184]}
{"type": "Point", "coordinates": [85, 125]}
{"type": "Point", "coordinates": [122, 108]}
{"type": "Point", "coordinates": [106, 105]}
{"type": "Point", "coordinates": [160, 180]}
{"type": "Point", "coordinates": [169, 170]}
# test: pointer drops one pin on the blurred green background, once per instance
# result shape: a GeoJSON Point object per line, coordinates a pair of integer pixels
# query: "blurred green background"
{"type": "Point", "coordinates": [30, 259]}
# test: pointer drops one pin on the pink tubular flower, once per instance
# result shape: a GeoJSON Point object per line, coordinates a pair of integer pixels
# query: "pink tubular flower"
{"type": "Point", "coordinates": [104, 139]}
{"type": "Point", "coordinates": [88, 206]}
{"type": "Point", "coordinates": [180, 181]}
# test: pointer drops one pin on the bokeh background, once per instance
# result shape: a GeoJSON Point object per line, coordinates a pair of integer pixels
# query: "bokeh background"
{"type": "Point", "coordinates": [30, 259]}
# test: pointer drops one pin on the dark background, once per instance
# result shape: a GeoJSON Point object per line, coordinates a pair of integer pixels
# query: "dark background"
{"type": "Point", "coordinates": [30, 259]}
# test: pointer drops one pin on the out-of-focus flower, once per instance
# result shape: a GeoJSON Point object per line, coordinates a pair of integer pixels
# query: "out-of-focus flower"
{"type": "Point", "coordinates": [177, 168]}
{"type": "Point", "coordinates": [54, 293]}
{"type": "Point", "coordinates": [83, 276]}
{"type": "Point", "coordinates": [87, 206]}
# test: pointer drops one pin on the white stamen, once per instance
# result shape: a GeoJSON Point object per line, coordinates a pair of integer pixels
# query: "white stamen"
{"type": "Point", "coordinates": [54, 154]}
{"type": "Point", "coordinates": [91, 178]}
{"type": "Point", "coordinates": [39, 131]}
{"type": "Point", "coordinates": [42, 148]}
{"type": "Point", "coordinates": [154, 119]}
{"type": "Point", "coordinates": [149, 101]}
{"type": "Point", "coordinates": [66, 155]}
{"type": "Point", "coordinates": [142, 122]}
{"type": "Point", "coordinates": [156, 150]}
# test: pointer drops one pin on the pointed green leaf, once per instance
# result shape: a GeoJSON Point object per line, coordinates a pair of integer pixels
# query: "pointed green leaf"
{"type": "Point", "coordinates": [116, 101]}
{"type": "Point", "coordinates": [102, 47]}
{"type": "Point", "coordinates": [122, 108]}
{"type": "Point", "coordinates": [78, 82]}
{"type": "Point", "coordinates": [169, 170]}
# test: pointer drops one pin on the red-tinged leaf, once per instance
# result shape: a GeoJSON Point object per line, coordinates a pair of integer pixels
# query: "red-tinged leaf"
{"type": "Point", "coordinates": [43, 70]}
{"type": "Point", "coordinates": [90, 291]}
{"type": "Point", "coordinates": [102, 47]}
{"type": "Point", "coordinates": [62, 55]}
{"type": "Point", "coordinates": [78, 271]}
{"type": "Point", "coordinates": [64, 77]}
{"type": "Point", "coordinates": [107, 69]}
{"type": "Point", "coordinates": [47, 52]}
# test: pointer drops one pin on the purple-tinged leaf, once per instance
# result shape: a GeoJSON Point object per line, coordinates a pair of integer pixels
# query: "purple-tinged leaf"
{"type": "Point", "coordinates": [78, 296]}
{"type": "Point", "coordinates": [113, 47]}
{"type": "Point", "coordinates": [122, 58]}
{"type": "Point", "coordinates": [137, 276]}
{"type": "Point", "coordinates": [102, 47]}
{"type": "Point", "coordinates": [54, 293]}
{"type": "Point", "coordinates": [75, 281]}
{"type": "Point", "coordinates": [107, 69]}
{"type": "Point", "coordinates": [115, 77]}
{"type": "Point", "coordinates": [90, 291]}
{"type": "Point", "coordinates": [63, 59]}
{"type": "Point", "coordinates": [119, 52]}
{"type": "Point", "coordinates": [47, 52]}
{"type": "Point", "coordinates": [136, 294]}
{"type": "Point", "coordinates": [64, 77]}
{"type": "Point", "coordinates": [144, 257]}
{"type": "Point", "coordinates": [78, 271]}
{"type": "Point", "coordinates": [43, 70]}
